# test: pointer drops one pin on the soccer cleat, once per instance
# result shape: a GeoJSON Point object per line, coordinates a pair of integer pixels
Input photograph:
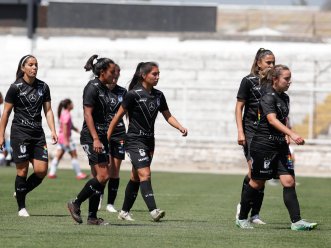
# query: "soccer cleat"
{"type": "Point", "coordinates": [75, 212]}
{"type": "Point", "coordinates": [100, 202]}
{"type": "Point", "coordinates": [157, 214]}
{"type": "Point", "coordinates": [125, 216]}
{"type": "Point", "coordinates": [256, 220]}
{"type": "Point", "coordinates": [23, 213]}
{"type": "Point", "coordinates": [110, 208]}
{"type": "Point", "coordinates": [244, 224]}
{"type": "Point", "coordinates": [97, 221]}
{"type": "Point", "coordinates": [81, 176]}
{"type": "Point", "coordinates": [238, 211]}
{"type": "Point", "coordinates": [52, 176]}
{"type": "Point", "coordinates": [14, 195]}
{"type": "Point", "coordinates": [303, 225]}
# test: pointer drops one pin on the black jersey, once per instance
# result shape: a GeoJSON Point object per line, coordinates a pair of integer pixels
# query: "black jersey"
{"type": "Point", "coordinates": [117, 95]}
{"type": "Point", "coordinates": [250, 91]}
{"type": "Point", "coordinates": [267, 135]}
{"type": "Point", "coordinates": [97, 95]}
{"type": "Point", "coordinates": [28, 101]}
{"type": "Point", "coordinates": [142, 109]}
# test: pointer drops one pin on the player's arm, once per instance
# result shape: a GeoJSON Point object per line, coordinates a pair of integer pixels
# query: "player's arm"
{"type": "Point", "coordinates": [238, 114]}
{"type": "Point", "coordinates": [118, 116]}
{"type": "Point", "coordinates": [8, 107]}
{"type": "Point", "coordinates": [173, 122]}
{"type": "Point", "coordinates": [50, 120]}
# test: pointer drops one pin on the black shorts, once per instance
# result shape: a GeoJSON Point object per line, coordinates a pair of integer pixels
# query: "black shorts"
{"type": "Point", "coordinates": [26, 148]}
{"type": "Point", "coordinates": [116, 148]}
{"type": "Point", "coordinates": [267, 165]}
{"type": "Point", "coordinates": [140, 153]}
{"type": "Point", "coordinates": [94, 157]}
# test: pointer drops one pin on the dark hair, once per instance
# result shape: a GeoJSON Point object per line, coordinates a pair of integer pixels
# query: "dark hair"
{"type": "Point", "coordinates": [23, 60]}
{"type": "Point", "coordinates": [269, 74]}
{"type": "Point", "coordinates": [98, 65]}
{"type": "Point", "coordinates": [260, 54]}
{"type": "Point", "coordinates": [64, 104]}
{"type": "Point", "coordinates": [142, 68]}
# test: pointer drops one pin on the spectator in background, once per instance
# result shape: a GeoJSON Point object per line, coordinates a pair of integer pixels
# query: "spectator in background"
{"type": "Point", "coordinates": [269, 149]}
{"type": "Point", "coordinates": [248, 99]}
{"type": "Point", "coordinates": [66, 144]}
{"type": "Point", "coordinates": [116, 143]}
{"type": "Point", "coordinates": [142, 104]}
{"type": "Point", "coordinates": [27, 96]}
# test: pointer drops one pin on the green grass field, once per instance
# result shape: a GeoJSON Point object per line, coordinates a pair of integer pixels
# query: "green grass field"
{"type": "Point", "coordinates": [200, 210]}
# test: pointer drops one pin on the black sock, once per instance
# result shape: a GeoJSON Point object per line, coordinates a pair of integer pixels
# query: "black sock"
{"type": "Point", "coordinates": [94, 204]}
{"type": "Point", "coordinates": [131, 193]}
{"type": "Point", "coordinates": [92, 186]}
{"type": "Point", "coordinates": [33, 182]}
{"type": "Point", "coordinates": [112, 190]}
{"type": "Point", "coordinates": [247, 198]}
{"type": "Point", "coordinates": [245, 183]}
{"type": "Point", "coordinates": [21, 191]}
{"type": "Point", "coordinates": [292, 203]}
{"type": "Point", "coordinates": [148, 195]}
{"type": "Point", "coordinates": [257, 203]}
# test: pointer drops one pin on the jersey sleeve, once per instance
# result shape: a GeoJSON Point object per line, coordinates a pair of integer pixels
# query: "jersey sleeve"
{"type": "Point", "coordinates": [11, 96]}
{"type": "Point", "coordinates": [128, 100]}
{"type": "Point", "coordinates": [243, 92]}
{"type": "Point", "coordinates": [47, 95]}
{"type": "Point", "coordinates": [89, 95]}
{"type": "Point", "coordinates": [268, 104]}
{"type": "Point", "coordinates": [163, 103]}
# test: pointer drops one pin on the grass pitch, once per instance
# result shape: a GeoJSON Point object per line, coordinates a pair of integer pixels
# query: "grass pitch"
{"type": "Point", "coordinates": [200, 210]}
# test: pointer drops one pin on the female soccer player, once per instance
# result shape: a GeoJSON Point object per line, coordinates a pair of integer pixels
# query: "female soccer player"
{"type": "Point", "coordinates": [27, 96]}
{"type": "Point", "coordinates": [117, 151]}
{"type": "Point", "coordinates": [269, 149]}
{"type": "Point", "coordinates": [248, 98]}
{"type": "Point", "coordinates": [142, 104]}
{"type": "Point", "coordinates": [65, 143]}
{"type": "Point", "coordinates": [94, 137]}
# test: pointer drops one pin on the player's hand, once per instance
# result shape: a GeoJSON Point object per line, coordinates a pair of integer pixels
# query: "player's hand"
{"type": "Point", "coordinates": [241, 139]}
{"type": "Point", "coordinates": [184, 131]}
{"type": "Point", "coordinates": [97, 146]}
{"type": "Point", "coordinates": [297, 139]}
{"type": "Point", "coordinates": [54, 138]}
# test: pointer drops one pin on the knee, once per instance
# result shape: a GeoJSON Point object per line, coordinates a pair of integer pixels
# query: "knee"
{"type": "Point", "coordinates": [257, 184]}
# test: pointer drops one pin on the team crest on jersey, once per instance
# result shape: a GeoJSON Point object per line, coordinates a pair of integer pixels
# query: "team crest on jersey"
{"type": "Point", "coordinates": [266, 164]}
{"type": "Point", "coordinates": [40, 91]}
{"type": "Point", "coordinates": [112, 102]}
{"type": "Point", "coordinates": [158, 101]}
{"type": "Point", "coordinates": [23, 149]}
{"type": "Point", "coordinates": [32, 97]}
{"type": "Point", "coordinates": [142, 152]}
{"type": "Point", "coordinates": [120, 98]}
{"type": "Point", "coordinates": [151, 106]}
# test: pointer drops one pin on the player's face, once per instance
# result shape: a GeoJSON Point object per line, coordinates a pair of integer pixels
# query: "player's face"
{"type": "Point", "coordinates": [30, 67]}
{"type": "Point", "coordinates": [267, 61]}
{"type": "Point", "coordinates": [115, 79]}
{"type": "Point", "coordinates": [283, 82]}
{"type": "Point", "coordinates": [152, 77]}
{"type": "Point", "coordinates": [107, 76]}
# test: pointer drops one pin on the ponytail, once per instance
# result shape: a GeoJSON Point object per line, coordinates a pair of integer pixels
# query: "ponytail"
{"type": "Point", "coordinates": [97, 65]}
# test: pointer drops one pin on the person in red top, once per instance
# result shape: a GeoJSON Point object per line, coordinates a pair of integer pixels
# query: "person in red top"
{"type": "Point", "coordinates": [65, 143]}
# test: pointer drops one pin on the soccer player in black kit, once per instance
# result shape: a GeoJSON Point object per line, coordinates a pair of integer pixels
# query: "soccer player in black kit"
{"type": "Point", "coordinates": [142, 104]}
{"type": "Point", "coordinates": [28, 96]}
{"type": "Point", "coordinates": [248, 99]}
{"type": "Point", "coordinates": [117, 151]}
{"type": "Point", "coordinates": [96, 100]}
{"type": "Point", "coordinates": [269, 149]}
